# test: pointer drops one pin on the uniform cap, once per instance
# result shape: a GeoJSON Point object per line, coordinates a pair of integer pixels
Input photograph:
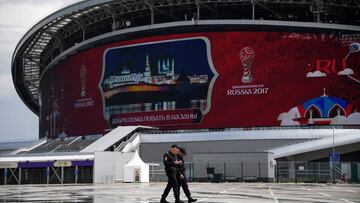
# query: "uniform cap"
{"type": "Point", "coordinates": [175, 145]}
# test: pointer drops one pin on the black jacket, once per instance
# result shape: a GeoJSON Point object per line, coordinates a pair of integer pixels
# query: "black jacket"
{"type": "Point", "coordinates": [181, 166]}
{"type": "Point", "coordinates": [169, 160]}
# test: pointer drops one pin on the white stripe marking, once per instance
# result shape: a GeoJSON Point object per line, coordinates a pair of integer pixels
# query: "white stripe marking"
{"type": "Point", "coordinates": [325, 194]}
{"type": "Point", "coordinates": [222, 192]}
{"type": "Point", "coordinates": [345, 200]}
{"type": "Point", "coordinates": [272, 194]}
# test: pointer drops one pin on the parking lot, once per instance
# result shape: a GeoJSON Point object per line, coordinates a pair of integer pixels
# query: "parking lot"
{"type": "Point", "coordinates": [205, 192]}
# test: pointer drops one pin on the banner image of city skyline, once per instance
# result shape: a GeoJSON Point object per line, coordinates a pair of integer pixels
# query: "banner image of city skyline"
{"type": "Point", "coordinates": [160, 76]}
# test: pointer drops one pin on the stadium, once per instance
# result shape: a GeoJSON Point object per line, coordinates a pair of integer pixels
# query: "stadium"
{"type": "Point", "coordinates": [255, 90]}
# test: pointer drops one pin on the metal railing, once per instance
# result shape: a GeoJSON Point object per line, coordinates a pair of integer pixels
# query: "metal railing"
{"type": "Point", "coordinates": [282, 171]}
{"type": "Point", "coordinates": [302, 171]}
{"type": "Point", "coordinates": [219, 172]}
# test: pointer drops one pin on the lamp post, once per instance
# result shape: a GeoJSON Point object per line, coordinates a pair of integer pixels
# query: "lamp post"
{"type": "Point", "coordinates": [333, 157]}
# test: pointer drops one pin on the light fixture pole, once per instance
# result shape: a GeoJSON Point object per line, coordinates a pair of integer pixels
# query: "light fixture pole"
{"type": "Point", "coordinates": [333, 157]}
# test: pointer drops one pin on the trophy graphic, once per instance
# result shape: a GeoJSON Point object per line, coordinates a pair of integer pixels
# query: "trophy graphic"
{"type": "Point", "coordinates": [247, 55]}
{"type": "Point", "coordinates": [83, 78]}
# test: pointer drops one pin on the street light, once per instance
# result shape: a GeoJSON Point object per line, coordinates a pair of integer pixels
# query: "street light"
{"type": "Point", "coordinates": [333, 157]}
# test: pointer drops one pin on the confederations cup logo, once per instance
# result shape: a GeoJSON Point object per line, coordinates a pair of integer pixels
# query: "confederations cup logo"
{"type": "Point", "coordinates": [247, 55]}
{"type": "Point", "coordinates": [84, 101]}
{"type": "Point", "coordinates": [83, 78]}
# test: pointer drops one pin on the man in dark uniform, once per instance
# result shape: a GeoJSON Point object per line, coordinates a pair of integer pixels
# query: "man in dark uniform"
{"type": "Point", "coordinates": [171, 163]}
{"type": "Point", "coordinates": [182, 175]}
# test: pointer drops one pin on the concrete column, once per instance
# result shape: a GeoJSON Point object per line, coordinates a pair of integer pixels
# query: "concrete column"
{"type": "Point", "coordinates": [76, 174]}
{"type": "Point", "coordinates": [19, 176]}
{"type": "Point", "coordinates": [5, 175]}
{"type": "Point", "coordinates": [62, 175]}
{"type": "Point", "coordinates": [197, 10]}
{"type": "Point", "coordinates": [242, 171]}
{"type": "Point", "coordinates": [253, 9]}
{"type": "Point", "coordinates": [292, 170]}
{"type": "Point", "coordinates": [47, 175]}
{"type": "Point", "coordinates": [259, 170]}
{"type": "Point", "coordinates": [152, 15]}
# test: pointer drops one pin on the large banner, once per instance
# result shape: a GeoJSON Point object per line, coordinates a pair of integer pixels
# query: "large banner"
{"type": "Point", "coordinates": [160, 83]}
{"type": "Point", "coordinates": [205, 80]}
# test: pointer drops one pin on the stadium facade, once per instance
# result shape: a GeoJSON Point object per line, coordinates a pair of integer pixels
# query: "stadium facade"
{"type": "Point", "coordinates": [256, 80]}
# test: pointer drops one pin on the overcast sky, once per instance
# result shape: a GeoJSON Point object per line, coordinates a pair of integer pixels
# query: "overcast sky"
{"type": "Point", "coordinates": [17, 122]}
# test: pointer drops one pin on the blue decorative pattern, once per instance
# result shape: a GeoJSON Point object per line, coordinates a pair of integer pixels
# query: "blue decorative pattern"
{"type": "Point", "coordinates": [325, 104]}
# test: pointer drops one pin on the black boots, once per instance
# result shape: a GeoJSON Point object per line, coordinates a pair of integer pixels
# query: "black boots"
{"type": "Point", "coordinates": [177, 199]}
{"type": "Point", "coordinates": [190, 199]}
{"type": "Point", "coordinates": [163, 201]}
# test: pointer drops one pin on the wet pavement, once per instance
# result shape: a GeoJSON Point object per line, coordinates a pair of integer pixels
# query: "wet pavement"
{"type": "Point", "coordinates": [205, 192]}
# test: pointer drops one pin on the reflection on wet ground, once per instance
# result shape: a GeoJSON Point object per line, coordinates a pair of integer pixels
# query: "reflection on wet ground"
{"type": "Point", "coordinates": [205, 192]}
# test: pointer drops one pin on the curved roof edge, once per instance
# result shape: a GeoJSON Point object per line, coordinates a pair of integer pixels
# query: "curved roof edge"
{"type": "Point", "coordinates": [319, 144]}
{"type": "Point", "coordinates": [20, 86]}
{"type": "Point", "coordinates": [294, 24]}
{"type": "Point", "coordinates": [73, 49]}
{"type": "Point", "coordinates": [287, 134]}
{"type": "Point", "coordinates": [57, 14]}
{"type": "Point", "coordinates": [83, 4]}
{"type": "Point", "coordinates": [62, 12]}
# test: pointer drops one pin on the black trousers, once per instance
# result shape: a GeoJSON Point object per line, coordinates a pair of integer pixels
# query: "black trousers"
{"type": "Point", "coordinates": [172, 175]}
{"type": "Point", "coordinates": [184, 185]}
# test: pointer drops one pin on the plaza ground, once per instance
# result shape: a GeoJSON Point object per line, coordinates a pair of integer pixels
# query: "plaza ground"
{"type": "Point", "coordinates": [205, 192]}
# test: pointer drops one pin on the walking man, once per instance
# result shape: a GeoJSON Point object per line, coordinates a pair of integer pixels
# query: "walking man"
{"type": "Point", "coordinates": [182, 175]}
{"type": "Point", "coordinates": [171, 163]}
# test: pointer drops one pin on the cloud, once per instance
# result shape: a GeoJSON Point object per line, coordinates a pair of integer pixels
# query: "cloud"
{"type": "Point", "coordinates": [17, 122]}
{"type": "Point", "coordinates": [352, 119]}
{"type": "Point", "coordinates": [346, 71]}
{"type": "Point", "coordinates": [283, 116]}
{"type": "Point", "coordinates": [5, 82]}
{"type": "Point", "coordinates": [338, 120]}
{"type": "Point", "coordinates": [26, 13]}
{"type": "Point", "coordinates": [289, 122]}
{"type": "Point", "coordinates": [315, 74]}
{"type": "Point", "coordinates": [287, 118]}
{"type": "Point", "coordinates": [293, 113]}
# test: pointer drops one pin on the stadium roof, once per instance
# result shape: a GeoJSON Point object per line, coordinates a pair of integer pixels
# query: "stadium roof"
{"type": "Point", "coordinates": [340, 139]}
{"type": "Point", "coordinates": [296, 134]}
{"type": "Point", "coordinates": [16, 145]}
{"type": "Point", "coordinates": [87, 20]}
{"type": "Point", "coordinates": [38, 158]}
{"type": "Point", "coordinates": [112, 138]}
